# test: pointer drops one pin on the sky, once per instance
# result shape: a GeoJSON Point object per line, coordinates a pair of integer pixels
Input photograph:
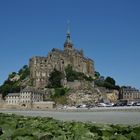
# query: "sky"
{"type": "Point", "coordinates": [107, 30]}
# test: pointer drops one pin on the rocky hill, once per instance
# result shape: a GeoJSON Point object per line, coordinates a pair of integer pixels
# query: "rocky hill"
{"type": "Point", "coordinates": [78, 89]}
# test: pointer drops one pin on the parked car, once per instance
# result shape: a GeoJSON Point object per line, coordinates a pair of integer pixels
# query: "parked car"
{"type": "Point", "coordinates": [135, 104]}
{"type": "Point", "coordinates": [109, 104]}
{"type": "Point", "coordinates": [132, 103]}
{"type": "Point", "coordinates": [104, 105]}
{"type": "Point", "coordinates": [120, 104]}
{"type": "Point", "coordinates": [138, 104]}
{"type": "Point", "coordinates": [81, 106]}
{"type": "Point", "coordinates": [90, 105]}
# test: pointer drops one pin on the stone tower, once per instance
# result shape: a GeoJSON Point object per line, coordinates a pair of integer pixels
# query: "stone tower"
{"type": "Point", "coordinates": [41, 67]}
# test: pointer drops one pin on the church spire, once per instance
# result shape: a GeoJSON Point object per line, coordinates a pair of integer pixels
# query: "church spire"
{"type": "Point", "coordinates": [68, 31]}
{"type": "Point", "coordinates": [68, 44]}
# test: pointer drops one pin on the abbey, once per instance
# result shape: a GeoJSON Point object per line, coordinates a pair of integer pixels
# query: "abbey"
{"type": "Point", "coordinates": [41, 67]}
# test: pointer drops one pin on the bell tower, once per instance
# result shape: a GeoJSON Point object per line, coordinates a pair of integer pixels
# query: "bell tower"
{"type": "Point", "coordinates": [68, 44]}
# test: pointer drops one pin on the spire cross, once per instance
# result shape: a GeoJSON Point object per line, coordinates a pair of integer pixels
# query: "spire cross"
{"type": "Point", "coordinates": [68, 27]}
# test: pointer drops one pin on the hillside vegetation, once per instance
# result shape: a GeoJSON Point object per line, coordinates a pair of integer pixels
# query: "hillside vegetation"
{"type": "Point", "coordinates": [14, 81]}
{"type": "Point", "coordinates": [20, 79]}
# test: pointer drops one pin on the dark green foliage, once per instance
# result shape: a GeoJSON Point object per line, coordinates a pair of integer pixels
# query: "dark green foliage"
{"type": "Point", "coordinates": [74, 75]}
{"type": "Point", "coordinates": [59, 95]}
{"type": "Point", "coordinates": [99, 83]}
{"type": "Point", "coordinates": [117, 87]}
{"type": "Point", "coordinates": [89, 78]}
{"type": "Point", "coordinates": [110, 81]}
{"type": "Point", "coordinates": [70, 74]}
{"type": "Point", "coordinates": [97, 75]}
{"type": "Point", "coordinates": [108, 85]}
{"type": "Point", "coordinates": [13, 74]}
{"type": "Point", "coordinates": [55, 79]}
{"type": "Point", "coordinates": [36, 128]}
{"type": "Point", "coordinates": [24, 72]}
{"type": "Point", "coordinates": [10, 86]}
{"type": "Point", "coordinates": [59, 92]}
{"type": "Point", "coordinates": [22, 69]}
{"type": "Point", "coordinates": [123, 87]}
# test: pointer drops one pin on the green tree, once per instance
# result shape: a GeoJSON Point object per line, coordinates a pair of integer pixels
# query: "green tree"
{"type": "Point", "coordinates": [97, 75]}
{"type": "Point", "coordinates": [14, 86]}
{"type": "Point", "coordinates": [9, 87]}
{"type": "Point", "coordinates": [12, 75]}
{"type": "Point", "coordinates": [110, 81]}
{"type": "Point", "coordinates": [24, 70]}
{"type": "Point", "coordinates": [25, 73]}
{"type": "Point", "coordinates": [70, 74]}
{"type": "Point", "coordinates": [25, 67]}
{"type": "Point", "coordinates": [108, 85]}
{"type": "Point", "coordinates": [55, 79]}
{"type": "Point", "coordinates": [74, 75]}
{"type": "Point", "coordinates": [117, 87]}
{"type": "Point", "coordinates": [60, 95]}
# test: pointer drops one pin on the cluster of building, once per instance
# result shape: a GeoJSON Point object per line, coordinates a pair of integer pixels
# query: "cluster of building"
{"type": "Point", "coordinates": [27, 98]}
{"type": "Point", "coordinates": [129, 93]}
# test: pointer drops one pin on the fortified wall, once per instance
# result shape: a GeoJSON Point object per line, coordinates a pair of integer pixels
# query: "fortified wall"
{"type": "Point", "coordinates": [41, 67]}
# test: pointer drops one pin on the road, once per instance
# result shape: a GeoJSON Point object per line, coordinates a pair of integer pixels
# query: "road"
{"type": "Point", "coordinates": [115, 117]}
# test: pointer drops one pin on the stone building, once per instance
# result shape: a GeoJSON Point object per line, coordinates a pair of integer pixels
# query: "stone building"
{"type": "Point", "coordinates": [129, 93]}
{"type": "Point", "coordinates": [13, 99]}
{"type": "Point", "coordinates": [26, 97]}
{"type": "Point", "coordinates": [41, 67]}
{"type": "Point", "coordinates": [30, 95]}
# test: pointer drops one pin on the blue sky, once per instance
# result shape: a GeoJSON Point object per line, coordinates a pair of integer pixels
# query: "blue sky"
{"type": "Point", "coordinates": [107, 30]}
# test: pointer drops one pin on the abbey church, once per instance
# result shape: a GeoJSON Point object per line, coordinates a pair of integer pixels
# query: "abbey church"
{"type": "Point", "coordinates": [41, 67]}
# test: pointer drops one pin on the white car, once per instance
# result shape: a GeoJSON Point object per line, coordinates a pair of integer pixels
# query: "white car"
{"type": "Point", "coordinates": [101, 105]}
{"type": "Point", "coordinates": [138, 104]}
{"type": "Point", "coordinates": [81, 106]}
{"type": "Point", "coordinates": [105, 105]}
{"type": "Point", "coordinates": [130, 103]}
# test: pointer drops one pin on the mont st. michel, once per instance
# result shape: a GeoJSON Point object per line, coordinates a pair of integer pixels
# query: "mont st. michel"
{"type": "Point", "coordinates": [58, 76]}
{"type": "Point", "coordinates": [63, 77]}
{"type": "Point", "coordinates": [62, 82]}
{"type": "Point", "coordinates": [41, 67]}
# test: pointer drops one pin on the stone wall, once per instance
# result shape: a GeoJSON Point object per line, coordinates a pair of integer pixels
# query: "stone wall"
{"type": "Point", "coordinates": [74, 85]}
{"type": "Point", "coordinates": [36, 105]}
{"type": "Point", "coordinates": [43, 105]}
